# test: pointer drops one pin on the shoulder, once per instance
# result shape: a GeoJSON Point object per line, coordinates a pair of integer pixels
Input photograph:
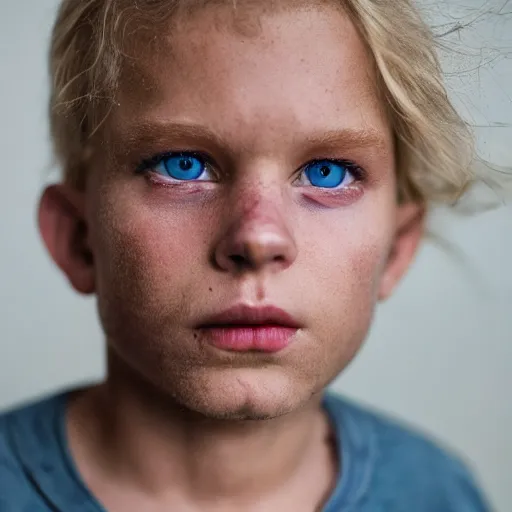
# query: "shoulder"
{"type": "Point", "coordinates": [408, 467]}
{"type": "Point", "coordinates": [22, 436]}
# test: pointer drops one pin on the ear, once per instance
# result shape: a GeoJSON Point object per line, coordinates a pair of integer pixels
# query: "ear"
{"type": "Point", "coordinates": [63, 227]}
{"type": "Point", "coordinates": [410, 228]}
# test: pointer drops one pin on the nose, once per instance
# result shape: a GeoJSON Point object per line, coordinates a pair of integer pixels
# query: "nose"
{"type": "Point", "coordinates": [256, 238]}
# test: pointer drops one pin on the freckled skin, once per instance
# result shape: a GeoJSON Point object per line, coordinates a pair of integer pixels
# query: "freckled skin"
{"type": "Point", "coordinates": [163, 255]}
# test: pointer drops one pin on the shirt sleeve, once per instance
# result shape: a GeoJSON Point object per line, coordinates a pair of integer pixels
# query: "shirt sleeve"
{"type": "Point", "coordinates": [465, 494]}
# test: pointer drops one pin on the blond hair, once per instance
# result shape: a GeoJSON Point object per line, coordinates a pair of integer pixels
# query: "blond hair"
{"type": "Point", "coordinates": [434, 146]}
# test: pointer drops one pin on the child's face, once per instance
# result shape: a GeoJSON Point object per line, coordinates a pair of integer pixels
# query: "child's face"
{"type": "Point", "coordinates": [257, 229]}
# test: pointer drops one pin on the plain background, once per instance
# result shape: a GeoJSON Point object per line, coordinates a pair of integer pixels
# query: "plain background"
{"type": "Point", "coordinates": [440, 353]}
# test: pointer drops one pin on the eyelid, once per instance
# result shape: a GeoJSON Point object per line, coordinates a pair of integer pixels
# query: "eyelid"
{"type": "Point", "coordinates": [358, 171]}
{"type": "Point", "coordinates": [153, 161]}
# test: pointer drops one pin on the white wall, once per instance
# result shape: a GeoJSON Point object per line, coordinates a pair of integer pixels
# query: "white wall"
{"type": "Point", "coordinates": [440, 354]}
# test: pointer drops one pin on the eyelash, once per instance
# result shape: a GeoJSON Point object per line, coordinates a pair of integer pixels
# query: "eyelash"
{"type": "Point", "coordinates": [149, 164]}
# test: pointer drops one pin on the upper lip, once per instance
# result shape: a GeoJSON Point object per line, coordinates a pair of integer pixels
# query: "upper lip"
{"type": "Point", "coordinates": [243, 314]}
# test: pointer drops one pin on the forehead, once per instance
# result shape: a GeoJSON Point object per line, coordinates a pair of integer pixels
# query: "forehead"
{"type": "Point", "coordinates": [297, 69]}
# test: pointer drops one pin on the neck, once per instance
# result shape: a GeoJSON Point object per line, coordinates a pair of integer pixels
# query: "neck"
{"type": "Point", "coordinates": [139, 437]}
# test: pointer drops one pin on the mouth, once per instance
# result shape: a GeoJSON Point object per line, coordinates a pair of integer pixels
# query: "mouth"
{"type": "Point", "coordinates": [244, 328]}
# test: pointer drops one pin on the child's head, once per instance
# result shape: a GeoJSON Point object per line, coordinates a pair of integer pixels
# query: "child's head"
{"type": "Point", "coordinates": [263, 153]}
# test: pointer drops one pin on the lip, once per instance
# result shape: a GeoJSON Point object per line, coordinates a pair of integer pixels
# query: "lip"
{"type": "Point", "coordinates": [245, 315]}
{"type": "Point", "coordinates": [244, 328]}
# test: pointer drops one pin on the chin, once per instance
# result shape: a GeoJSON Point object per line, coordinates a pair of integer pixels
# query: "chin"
{"type": "Point", "coordinates": [239, 394]}
{"type": "Point", "coordinates": [231, 389]}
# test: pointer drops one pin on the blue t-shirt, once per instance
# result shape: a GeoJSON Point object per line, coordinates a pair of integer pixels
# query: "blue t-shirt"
{"type": "Point", "coordinates": [386, 468]}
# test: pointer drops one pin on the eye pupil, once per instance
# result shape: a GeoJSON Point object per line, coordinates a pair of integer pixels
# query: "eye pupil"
{"type": "Point", "coordinates": [325, 171]}
{"type": "Point", "coordinates": [185, 164]}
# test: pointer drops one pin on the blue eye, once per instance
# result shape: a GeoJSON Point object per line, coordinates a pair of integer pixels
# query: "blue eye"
{"type": "Point", "coordinates": [181, 166]}
{"type": "Point", "coordinates": [329, 173]}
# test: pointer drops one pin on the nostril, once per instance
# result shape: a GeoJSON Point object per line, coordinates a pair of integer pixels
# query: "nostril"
{"type": "Point", "coordinates": [238, 259]}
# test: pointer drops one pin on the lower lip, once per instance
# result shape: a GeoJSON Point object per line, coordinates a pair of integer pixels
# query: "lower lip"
{"type": "Point", "coordinates": [265, 338]}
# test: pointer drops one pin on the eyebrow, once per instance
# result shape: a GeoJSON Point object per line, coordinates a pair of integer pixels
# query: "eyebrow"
{"type": "Point", "coordinates": [350, 138]}
{"type": "Point", "coordinates": [151, 132]}
{"type": "Point", "coordinates": [159, 132]}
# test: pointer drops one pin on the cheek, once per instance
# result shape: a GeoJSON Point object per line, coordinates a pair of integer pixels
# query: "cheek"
{"type": "Point", "coordinates": [144, 261]}
{"type": "Point", "coordinates": [343, 263]}
{"type": "Point", "coordinates": [346, 252]}
{"type": "Point", "coordinates": [350, 287]}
